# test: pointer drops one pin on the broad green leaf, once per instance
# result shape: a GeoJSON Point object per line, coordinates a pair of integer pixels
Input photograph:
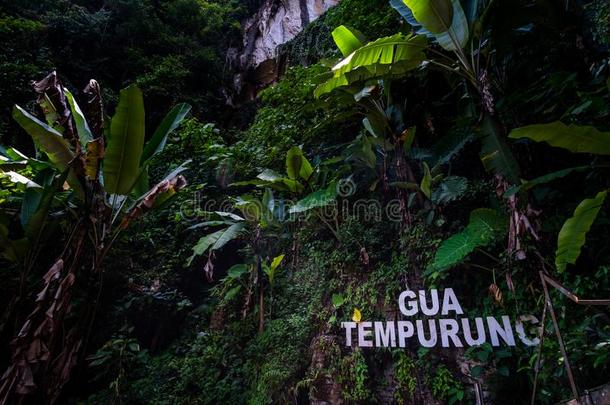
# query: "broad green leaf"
{"type": "Point", "coordinates": [82, 127]}
{"type": "Point", "coordinates": [232, 293]}
{"type": "Point", "coordinates": [277, 261]}
{"type": "Point", "coordinates": [216, 240]}
{"type": "Point", "coordinates": [51, 143]}
{"type": "Point", "coordinates": [484, 227]}
{"type": "Point", "coordinates": [46, 138]}
{"type": "Point", "coordinates": [449, 189]}
{"type": "Point", "coordinates": [575, 138]}
{"type": "Point", "coordinates": [452, 36]}
{"type": "Point", "coordinates": [34, 226]}
{"type": "Point", "coordinates": [124, 149]}
{"type": "Point", "coordinates": [457, 35]}
{"type": "Point", "coordinates": [268, 201]}
{"type": "Point", "coordinates": [455, 249]}
{"type": "Point", "coordinates": [297, 165]}
{"type": "Point", "coordinates": [269, 175]}
{"type": "Point", "coordinates": [573, 233]}
{"type": "Point", "coordinates": [271, 269]}
{"type": "Point", "coordinates": [386, 56]}
{"type": "Point", "coordinates": [486, 224]}
{"type": "Point", "coordinates": [237, 270]}
{"type": "Point", "coordinates": [348, 39]}
{"type": "Point", "coordinates": [171, 121]}
{"type": "Point", "coordinates": [495, 153]}
{"type": "Point", "coordinates": [316, 199]}
{"type": "Point", "coordinates": [434, 15]}
{"type": "Point", "coordinates": [337, 300]}
{"type": "Point", "coordinates": [547, 178]}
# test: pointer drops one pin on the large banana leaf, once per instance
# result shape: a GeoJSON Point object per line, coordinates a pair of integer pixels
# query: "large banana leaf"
{"type": "Point", "coordinates": [48, 140]}
{"type": "Point", "coordinates": [348, 39]}
{"type": "Point", "coordinates": [572, 236]}
{"type": "Point", "coordinates": [575, 138]}
{"type": "Point", "coordinates": [297, 165]}
{"type": "Point", "coordinates": [386, 56]}
{"type": "Point", "coordinates": [451, 36]}
{"type": "Point", "coordinates": [124, 150]}
{"type": "Point", "coordinates": [434, 15]}
{"type": "Point", "coordinates": [51, 143]}
{"type": "Point", "coordinates": [495, 153]}
{"type": "Point", "coordinates": [547, 178]}
{"type": "Point", "coordinates": [82, 127]}
{"type": "Point", "coordinates": [317, 199]}
{"type": "Point", "coordinates": [171, 121]}
{"type": "Point", "coordinates": [216, 240]}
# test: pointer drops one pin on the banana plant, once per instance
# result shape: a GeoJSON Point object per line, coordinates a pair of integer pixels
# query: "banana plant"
{"type": "Point", "coordinates": [302, 180]}
{"type": "Point", "coordinates": [444, 29]}
{"type": "Point", "coordinates": [261, 221]}
{"type": "Point", "coordinates": [94, 171]}
{"type": "Point", "coordinates": [576, 139]}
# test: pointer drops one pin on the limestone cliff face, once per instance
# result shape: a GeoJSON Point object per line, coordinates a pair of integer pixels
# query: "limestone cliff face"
{"type": "Point", "coordinates": [275, 23]}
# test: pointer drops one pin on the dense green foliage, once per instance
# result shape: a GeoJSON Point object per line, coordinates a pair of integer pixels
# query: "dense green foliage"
{"type": "Point", "coordinates": [409, 144]}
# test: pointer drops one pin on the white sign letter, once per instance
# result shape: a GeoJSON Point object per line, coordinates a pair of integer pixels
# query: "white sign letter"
{"type": "Point", "coordinates": [521, 330]}
{"type": "Point", "coordinates": [405, 330]}
{"type": "Point", "coordinates": [385, 337]}
{"type": "Point", "coordinates": [412, 308]}
{"type": "Point", "coordinates": [362, 334]}
{"type": "Point", "coordinates": [348, 331]}
{"type": "Point", "coordinates": [421, 333]}
{"type": "Point", "coordinates": [449, 328]}
{"type": "Point", "coordinates": [451, 303]}
{"type": "Point", "coordinates": [470, 341]}
{"type": "Point", "coordinates": [424, 305]}
{"type": "Point", "coordinates": [495, 329]}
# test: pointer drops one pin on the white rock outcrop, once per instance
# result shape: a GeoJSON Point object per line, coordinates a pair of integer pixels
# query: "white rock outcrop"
{"type": "Point", "coordinates": [275, 23]}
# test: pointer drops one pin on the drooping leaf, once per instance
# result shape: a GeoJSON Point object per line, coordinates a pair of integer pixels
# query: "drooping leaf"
{"type": "Point", "coordinates": [317, 199]}
{"type": "Point", "coordinates": [495, 153]}
{"type": "Point", "coordinates": [82, 127]}
{"type": "Point", "coordinates": [124, 148]}
{"type": "Point", "coordinates": [171, 121]}
{"type": "Point", "coordinates": [46, 138]}
{"type": "Point", "coordinates": [575, 138]}
{"type": "Point", "coordinates": [392, 55]}
{"type": "Point", "coordinates": [51, 143]}
{"type": "Point", "coordinates": [573, 233]}
{"type": "Point", "coordinates": [434, 15]}
{"type": "Point", "coordinates": [547, 178]}
{"type": "Point", "coordinates": [216, 240]}
{"type": "Point", "coordinates": [348, 39]}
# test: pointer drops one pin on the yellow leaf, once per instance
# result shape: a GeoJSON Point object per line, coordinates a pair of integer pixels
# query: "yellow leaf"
{"type": "Point", "coordinates": [357, 316]}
